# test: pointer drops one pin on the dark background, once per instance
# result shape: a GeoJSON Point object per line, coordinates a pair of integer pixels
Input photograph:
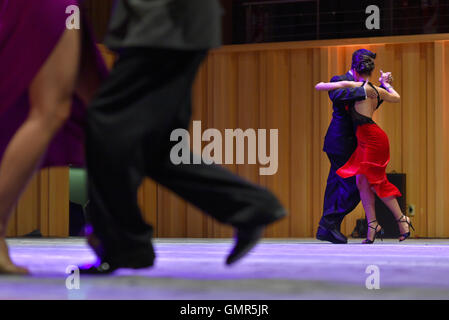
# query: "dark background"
{"type": "Point", "coordinates": [99, 12]}
{"type": "Point", "coordinates": [253, 21]}
{"type": "Point", "coordinates": [271, 21]}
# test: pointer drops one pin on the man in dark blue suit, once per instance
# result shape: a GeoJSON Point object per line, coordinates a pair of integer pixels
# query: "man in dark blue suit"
{"type": "Point", "coordinates": [341, 195]}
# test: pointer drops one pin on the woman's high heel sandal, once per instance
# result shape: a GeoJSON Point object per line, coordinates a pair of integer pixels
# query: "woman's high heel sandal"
{"type": "Point", "coordinates": [378, 233]}
{"type": "Point", "coordinates": [404, 236]}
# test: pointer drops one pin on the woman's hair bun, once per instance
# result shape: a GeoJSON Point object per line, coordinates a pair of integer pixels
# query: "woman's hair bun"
{"type": "Point", "coordinates": [365, 65]}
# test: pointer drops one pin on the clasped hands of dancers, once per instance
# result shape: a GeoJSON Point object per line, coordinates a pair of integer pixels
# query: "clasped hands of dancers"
{"type": "Point", "coordinates": [132, 111]}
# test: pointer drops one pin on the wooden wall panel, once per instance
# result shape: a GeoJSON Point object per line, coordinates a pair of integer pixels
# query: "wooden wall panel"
{"type": "Point", "coordinates": [171, 214]}
{"type": "Point", "coordinates": [12, 225]}
{"type": "Point", "coordinates": [44, 205]}
{"type": "Point", "coordinates": [271, 86]}
{"type": "Point", "coordinates": [414, 128]}
{"type": "Point", "coordinates": [318, 110]}
{"type": "Point", "coordinates": [431, 141]}
{"type": "Point", "coordinates": [285, 87]}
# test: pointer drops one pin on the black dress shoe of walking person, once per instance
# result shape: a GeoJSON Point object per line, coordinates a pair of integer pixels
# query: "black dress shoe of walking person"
{"type": "Point", "coordinates": [331, 234]}
{"type": "Point", "coordinates": [98, 268]}
{"type": "Point", "coordinates": [245, 241]}
{"type": "Point", "coordinates": [139, 259]}
{"type": "Point", "coordinates": [103, 267]}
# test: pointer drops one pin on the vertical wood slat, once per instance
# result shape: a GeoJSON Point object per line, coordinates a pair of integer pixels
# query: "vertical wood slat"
{"type": "Point", "coordinates": [441, 138]}
{"type": "Point", "coordinates": [278, 117]}
{"type": "Point", "coordinates": [58, 202]}
{"type": "Point", "coordinates": [147, 197]}
{"type": "Point", "coordinates": [27, 217]}
{"type": "Point", "coordinates": [44, 205]}
{"type": "Point", "coordinates": [262, 114]}
{"type": "Point", "coordinates": [247, 105]}
{"type": "Point", "coordinates": [210, 79]}
{"type": "Point", "coordinates": [414, 139]}
{"type": "Point", "coordinates": [301, 142]}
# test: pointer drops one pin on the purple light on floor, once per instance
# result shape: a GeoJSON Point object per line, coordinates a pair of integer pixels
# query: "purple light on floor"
{"type": "Point", "coordinates": [275, 270]}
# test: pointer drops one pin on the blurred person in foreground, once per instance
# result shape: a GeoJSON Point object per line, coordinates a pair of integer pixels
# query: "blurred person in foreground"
{"type": "Point", "coordinates": [161, 45]}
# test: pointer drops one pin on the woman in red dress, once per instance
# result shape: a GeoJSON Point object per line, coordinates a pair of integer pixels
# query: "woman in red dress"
{"type": "Point", "coordinates": [372, 155]}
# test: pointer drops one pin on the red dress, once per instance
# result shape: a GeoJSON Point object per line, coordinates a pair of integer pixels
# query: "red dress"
{"type": "Point", "coordinates": [371, 156]}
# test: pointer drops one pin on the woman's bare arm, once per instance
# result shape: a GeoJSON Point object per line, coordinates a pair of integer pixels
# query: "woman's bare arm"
{"type": "Point", "coordinates": [390, 96]}
{"type": "Point", "coordinates": [329, 86]}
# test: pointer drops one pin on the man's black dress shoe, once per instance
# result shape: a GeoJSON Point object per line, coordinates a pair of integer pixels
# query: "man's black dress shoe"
{"type": "Point", "coordinates": [245, 240]}
{"type": "Point", "coordinates": [98, 268]}
{"type": "Point", "coordinates": [332, 235]}
{"type": "Point", "coordinates": [138, 259]}
{"type": "Point", "coordinates": [105, 268]}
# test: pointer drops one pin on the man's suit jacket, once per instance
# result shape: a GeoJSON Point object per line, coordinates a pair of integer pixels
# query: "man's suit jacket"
{"type": "Point", "coordinates": [172, 24]}
{"type": "Point", "coordinates": [340, 137]}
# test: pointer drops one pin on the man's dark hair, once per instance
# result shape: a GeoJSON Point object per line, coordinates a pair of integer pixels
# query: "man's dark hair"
{"type": "Point", "coordinates": [363, 61]}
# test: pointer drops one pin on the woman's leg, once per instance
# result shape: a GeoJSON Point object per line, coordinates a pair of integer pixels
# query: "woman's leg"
{"type": "Point", "coordinates": [367, 197]}
{"type": "Point", "coordinates": [51, 94]}
{"type": "Point", "coordinates": [393, 205]}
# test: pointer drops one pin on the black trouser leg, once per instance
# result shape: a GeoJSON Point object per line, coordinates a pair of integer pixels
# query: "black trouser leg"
{"type": "Point", "coordinates": [341, 195]}
{"type": "Point", "coordinates": [146, 97]}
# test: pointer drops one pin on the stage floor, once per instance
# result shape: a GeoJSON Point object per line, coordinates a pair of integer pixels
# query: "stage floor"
{"type": "Point", "coordinates": [192, 269]}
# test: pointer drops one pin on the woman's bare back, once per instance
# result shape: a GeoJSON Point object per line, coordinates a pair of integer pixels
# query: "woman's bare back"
{"type": "Point", "coordinates": [366, 107]}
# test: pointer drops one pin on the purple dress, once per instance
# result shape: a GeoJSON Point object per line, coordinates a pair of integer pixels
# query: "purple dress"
{"type": "Point", "coordinates": [29, 31]}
